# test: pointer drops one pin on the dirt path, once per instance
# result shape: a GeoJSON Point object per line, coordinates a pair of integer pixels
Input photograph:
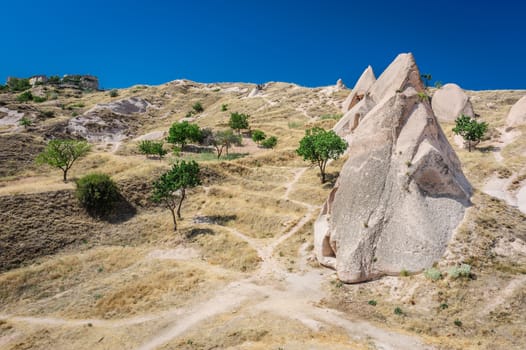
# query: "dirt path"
{"type": "Point", "coordinates": [271, 288]}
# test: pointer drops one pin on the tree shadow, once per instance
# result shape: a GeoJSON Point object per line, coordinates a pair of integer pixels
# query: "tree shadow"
{"type": "Point", "coordinates": [122, 211]}
{"type": "Point", "coordinates": [214, 219]}
{"type": "Point", "coordinates": [488, 149]}
{"type": "Point", "coordinates": [198, 232]}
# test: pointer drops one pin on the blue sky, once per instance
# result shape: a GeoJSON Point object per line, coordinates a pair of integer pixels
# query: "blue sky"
{"type": "Point", "coordinates": [477, 44]}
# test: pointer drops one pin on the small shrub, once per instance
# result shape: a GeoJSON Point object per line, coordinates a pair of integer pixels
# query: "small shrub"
{"type": "Point", "coordinates": [463, 270]}
{"type": "Point", "coordinates": [152, 148]}
{"type": "Point", "coordinates": [398, 311]}
{"type": "Point", "coordinates": [39, 99]}
{"type": "Point", "coordinates": [25, 122]}
{"type": "Point", "coordinates": [433, 274]}
{"type": "Point", "coordinates": [372, 302]}
{"type": "Point", "coordinates": [224, 107]}
{"type": "Point", "coordinates": [97, 193]}
{"type": "Point", "coordinates": [114, 93]}
{"type": "Point", "coordinates": [404, 273]}
{"type": "Point", "coordinates": [269, 142]}
{"type": "Point", "coordinates": [258, 136]}
{"type": "Point", "coordinates": [25, 96]}
{"type": "Point", "coordinates": [458, 323]}
{"type": "Point", "coordinates": [443, 306]}
{"type": "Point", "coordinates": [438, 84]}
{"type": "Point", "coordinates": [423, 96]}
{"type": "Point", "coordinates": [47, 114]}
{"type": "Point", "coordinates": [198, 107]}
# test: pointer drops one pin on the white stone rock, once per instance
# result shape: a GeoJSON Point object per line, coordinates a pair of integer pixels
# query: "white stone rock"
{"type": "Point", "coordinates": [361, 87]}
{"type": "Point", "coordinates": [450, 102]}
{"type": "Point", "coordinates": [400, 194]}
{"type": "Point", "coordinates": [517, 114]}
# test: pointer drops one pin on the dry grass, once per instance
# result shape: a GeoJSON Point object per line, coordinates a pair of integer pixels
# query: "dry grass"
{"type": "Point", "coordinates": [262, 331]}
{"type": "Point", "coordinates": [218, 247]}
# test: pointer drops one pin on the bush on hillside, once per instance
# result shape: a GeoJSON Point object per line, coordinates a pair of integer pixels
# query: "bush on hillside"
{"type": "Point", "coordinates": [97, 193]}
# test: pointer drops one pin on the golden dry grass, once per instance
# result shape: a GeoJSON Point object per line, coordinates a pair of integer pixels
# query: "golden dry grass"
{"type": "Point", "coordinates": [262, 331]}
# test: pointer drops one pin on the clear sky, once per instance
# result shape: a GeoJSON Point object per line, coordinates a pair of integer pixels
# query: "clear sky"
{"type": "Point", "coordinates": [477, 44]}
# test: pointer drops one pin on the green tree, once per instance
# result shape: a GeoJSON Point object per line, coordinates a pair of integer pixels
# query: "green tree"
{"type": "Point", "coordinates": [183, 132]}
{"type": "Point", "coordinates": [270, 142]}
{"type": "Point", "coordinates": [152, 148]}
{"type": "Point", "coordinates": [258, 136]}
{"type": "Point", "coordinates": [171, 187]}
{"type": "Point", "coordinates": [319, 145]}
{"type": "Point", "coordinates": [471, 131]}
{"type": "Point", "coordinates": [224, 139]}
{"type": "Point", "coordinates": [97, 193]}
{"type": "Point", "coordinates": [62, 154]}
{"type": "Point", "coordinates": [198, 107]}
{"type": "Point", "coordinates": [238, 121]}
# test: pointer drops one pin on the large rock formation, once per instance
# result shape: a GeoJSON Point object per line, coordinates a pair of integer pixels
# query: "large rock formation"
{"type": "Point", "coordinates": [401, 193]}
{"type": "Point", "coordinates": [449, 102]}
{"type": "Point", "coordinates": [363, 84]}
{"type": "Point", "coordinates": [517, 114]}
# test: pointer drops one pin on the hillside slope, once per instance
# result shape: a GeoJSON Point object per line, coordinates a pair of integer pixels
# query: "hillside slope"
{"type": "Point", "coordinates": [239, 273]}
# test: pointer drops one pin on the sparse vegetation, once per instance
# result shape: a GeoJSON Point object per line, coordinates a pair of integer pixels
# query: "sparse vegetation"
{"type": "Point", "coordinates": [25, 96]}
{"type": "Point", "coordinates": [319, 146]}
{"type": "Point", "coordinates": [398, 311]}
{"type": "Point", "coordinates": [16, 84]}
{"type": "Point", "coordinates": [62, 154]}
{"type": "Point", "coordinates": [224, 107]}
{"type": "Point", "coordinates": [171, 187]}
{"type": "Point", "coordinates": [114, 93]}
{"type": "Point", "coordinates": [25, 122]}
{"type": "Point", "coordinates": [426, 79]}
{"type": "Point", "coordinates": [97, 193]}
{"type": "Point", "coordinates": [471, 131]}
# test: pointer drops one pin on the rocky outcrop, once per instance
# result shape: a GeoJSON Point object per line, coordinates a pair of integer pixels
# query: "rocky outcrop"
{"type": "Point", "coordinates": [110, 122]}
{"type": "Point", "coordinates": [517, 114]}
{"type": "Point", "coordinates": [401, 193]}
{"type": "Point", "coordinates": [450, 102]}
{"type": "Point", "coordinates": [363, 84]}
{"type": "Point", "coordinates": [339, 84]}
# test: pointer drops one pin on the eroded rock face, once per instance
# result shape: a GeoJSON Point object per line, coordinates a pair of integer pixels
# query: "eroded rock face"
{"type": "Point", "coordinates": [400, 194]}
{"type": "Point", "coordinates": [450, 102]}
{"type": "Point", "coordinates": [517, 114]}
{"type": "Point", "coordinates": [363, 84]}
{"type": "Point", "coordinates": [108, 123]}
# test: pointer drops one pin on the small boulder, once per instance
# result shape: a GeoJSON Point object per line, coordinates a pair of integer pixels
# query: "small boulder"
{"type": "Point", "coordinates": [450, 102]}
{"type": "Point", "coordinates": [517, 114]}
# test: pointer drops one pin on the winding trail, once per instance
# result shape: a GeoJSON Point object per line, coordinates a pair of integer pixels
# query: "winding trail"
{"type": "Point", "coordinates": [271, 288]}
